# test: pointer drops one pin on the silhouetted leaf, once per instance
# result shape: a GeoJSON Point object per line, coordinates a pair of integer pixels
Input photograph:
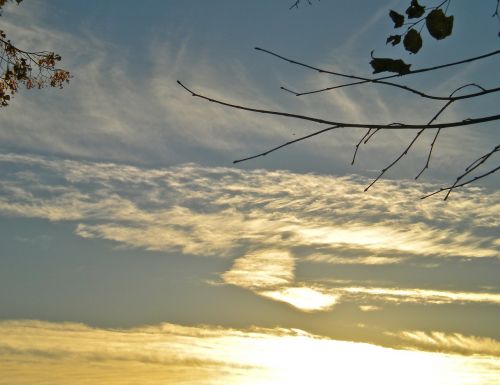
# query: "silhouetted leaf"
{"type": "Point", "coordinates": [412, 41]}
{"type": "Point", "coordinates": [397, 18]}
{"type": "Point", "coordinates": [393, 39]}
{"type": "Point", "coordinates": [439, 25]}
{"type": "Point", "coordinates": [415, 10]}
{"type": "Point", "coordinates": [389, 65]}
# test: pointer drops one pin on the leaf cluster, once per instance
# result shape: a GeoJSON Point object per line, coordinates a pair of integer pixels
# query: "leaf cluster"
{"type": "Point", "coordinates": [31, 69]}
{"type": "Point", "coordinates": [437, 23]}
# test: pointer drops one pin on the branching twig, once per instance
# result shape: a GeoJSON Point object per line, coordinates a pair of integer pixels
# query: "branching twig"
{"type": "Point", "coordinates": [398, 126]}
{"type": "Point", "coordinates": [383, 171]}
{"type": "Point", "coordinates": [297, 2]}
{"type": "Point", "coordinates": [426, 166]}
{"type": "Point", "coordinates": [492, 171]}
{"type": "Point", "coordinates": [430, 154]}
{"type": "Point", "coordinates": [478, 162]}
{"type": "Point", "coordinates": [359, 144]}
{"type": "Point", "coordinates": [287, 144]}
{"type": "Point", "coordinates": [381, 80]}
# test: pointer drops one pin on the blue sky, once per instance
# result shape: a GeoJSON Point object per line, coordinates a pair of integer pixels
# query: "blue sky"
{"type": "Point", "coordinates": [120, 206]}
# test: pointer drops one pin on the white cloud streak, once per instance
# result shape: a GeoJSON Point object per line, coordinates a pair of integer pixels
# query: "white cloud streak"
{"type": "Point", "coordinates": [415, 295]}
{"type": "Point", "coordinates": [449, 342]}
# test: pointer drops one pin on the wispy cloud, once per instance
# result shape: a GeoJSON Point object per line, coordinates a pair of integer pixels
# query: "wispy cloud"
{"type": "Point", "coordinates": [267, 221]}
{"type": "Point", "coordinates": [449, 342]}
{"type": "Point", "coordinates": [35, 352]}
{"type": "Point", "coordinates": [118, 110]}
{"type": "Point", "coordinates": [216, 210]}
{"type": "Point", "coordinates": [262, 270]}
{"type": "Point", "coordinates": [417, 295]}
{"type": "Point", "coordinates": [271, 273]}
{"type": "Point", "coordinates": [304, 298]}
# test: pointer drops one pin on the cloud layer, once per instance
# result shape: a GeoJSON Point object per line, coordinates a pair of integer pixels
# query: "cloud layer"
{"type": "Point", "coordinates": [268, 222]}
{"type": "Point", "coordinates": [35, 352]}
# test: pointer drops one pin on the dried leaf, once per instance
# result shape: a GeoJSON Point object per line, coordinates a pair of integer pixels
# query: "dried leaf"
{"type": "Point", "coordinates": [397, 18]}
{"type": "Point", "coordinates": [439, 25]}
{"type": "Point", "coordinates": [412, 41]}
{"type": "Point", "coordinates": [393, 39]}
{"type": "Point", "coordinates": [389, 65]}
{"type": "Point", "coordinates": [415, 10]}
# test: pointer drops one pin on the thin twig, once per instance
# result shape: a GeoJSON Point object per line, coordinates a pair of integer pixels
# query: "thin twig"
{"type": "Point", "coordinates": [478, 162]}
{"type": "Point", "coordinates": [297, 2]}
{"type": "Point", "coordinates": [383, 171]}
{"type": "Point", "coordinates": [427, 162]}
{"type": "Point", "coordinates": [492, 171]}
{"type": "Point", "coordinates": [430, 154]}
{"type": "Point", "coordinates": [466, 122]}
{"type": "Point", "coordinates": [496, 10]}
{"type": "Point", "coordinates": [286, 144]}
{"type": "Point", "coordinates": [359, 144]}
{"type": "Point", "coordinates": [381, 80]}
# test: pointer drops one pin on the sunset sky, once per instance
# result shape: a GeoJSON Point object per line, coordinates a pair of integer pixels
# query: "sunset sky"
{"type": "Point", "coordinates": [134, 252]}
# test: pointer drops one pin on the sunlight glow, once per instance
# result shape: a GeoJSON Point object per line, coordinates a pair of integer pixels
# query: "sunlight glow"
{"type": "Point", "coordinates": [34, 352]}
{"type": "Point", "coordinates": [303, 298]}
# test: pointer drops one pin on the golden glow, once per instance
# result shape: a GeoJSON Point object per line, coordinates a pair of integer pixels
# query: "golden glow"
{"type": "Point", "coordinates": [34, 352]}
{"type": "Point", "coordinates": [263, 269]}
{"type": "Point", "coordinates": [303, 298]}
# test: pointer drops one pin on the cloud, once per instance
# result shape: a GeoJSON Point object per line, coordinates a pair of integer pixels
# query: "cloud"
{"type": "Point", "coordinates": [268, 222]}
{"type": "Point", "coordinates": [303, 298]}
{"type": "Point", "coordinates": [369, 308]}
{"type": "Point", "coordinates": [36, 352]}
{"type": "Point", "coordinates": [449, 342]}
{"type": "Point", "coordinates": [210, 211]}
{"type": "Point", "coordinates": [270, 273]}
{"type": "Point", "coordinates": [128, 110]}
{"type": "Point", "coordinates": [266, 269]}
{"type": "Point", "coordinates": [416, 295]}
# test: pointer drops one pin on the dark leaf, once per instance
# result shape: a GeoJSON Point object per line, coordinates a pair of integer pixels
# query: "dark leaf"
{"type": "Point", "coordinates": [393, 39]}
{"type": "Point", "coordinates": [415, 10]}
{"type": "Point", "coordinates": [412, 41]}
{"type": "Point", "coordinates": [390, 65]}
{"type": "Point", "coordinates": [439, 25]}
{"type": "Point", "coordinates": [397, 18]}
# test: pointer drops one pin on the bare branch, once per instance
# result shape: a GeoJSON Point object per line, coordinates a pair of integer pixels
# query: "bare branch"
{"type": "Point", "coordinates": [359, 144]}
{"type": "Point", "coordinates": [427, 162]}
{"type": "Point", "coordinates": [383, 171]}
{"type": "Point", "coordinates": [466, 122]}
{"type": "Point", "coordinates": [474, 165]}
{"type": "Point", "coordinates": [286, 144]}
{"type": "Point", "coordinates": [381, 80]}
{"type": "Point", "coordinates": [430, 154]}
{"type": "Point", "coordinates": [297, 2]}
{"type": "Point", "coordinates": [478, 162]}
{"type": "Point", "coordinates": [492, 171]}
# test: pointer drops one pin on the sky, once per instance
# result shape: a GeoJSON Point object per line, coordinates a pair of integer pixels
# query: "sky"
{"type": "Point", "coordinates": [134, 251]}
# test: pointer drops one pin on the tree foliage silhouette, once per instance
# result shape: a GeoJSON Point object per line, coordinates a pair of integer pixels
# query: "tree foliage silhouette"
{"type": "Point", "coordinates": [30, 69]}
{"type": "Point", "coordinates": [438, 25]}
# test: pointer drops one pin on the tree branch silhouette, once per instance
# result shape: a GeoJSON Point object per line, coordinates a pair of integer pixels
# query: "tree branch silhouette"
{"type": "Point", "coordinates": [33, 69]}
{"type": "Point", "coordinates": [381, 80]}
{"type": "Point", "coordinates": [439, 25]}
